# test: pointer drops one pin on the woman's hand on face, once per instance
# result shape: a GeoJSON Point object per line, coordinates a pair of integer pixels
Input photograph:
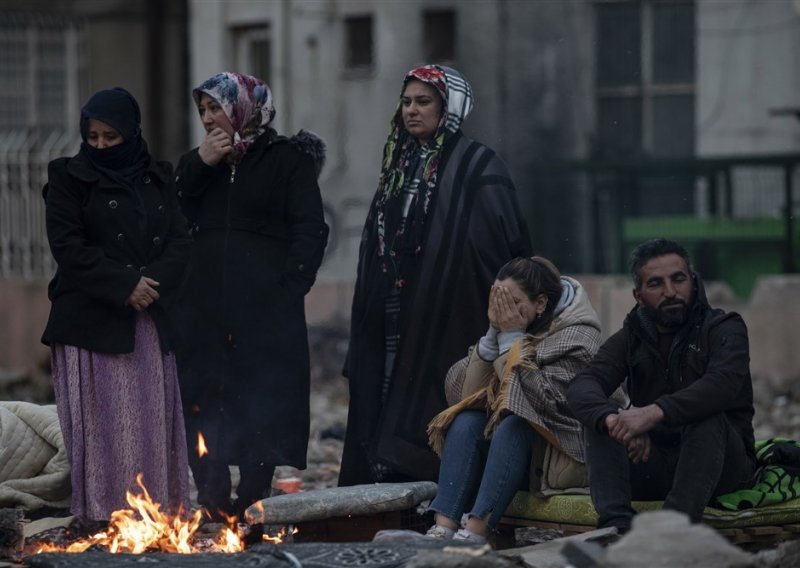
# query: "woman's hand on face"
{"type": "Point", "coordinates": [503, 312]}
{"type": "Point", "coordinates": [492, 313]}
{"type": "Point", "coordinates": [216, 145]}
{"type": "Point", "coordinates": [143, 295]}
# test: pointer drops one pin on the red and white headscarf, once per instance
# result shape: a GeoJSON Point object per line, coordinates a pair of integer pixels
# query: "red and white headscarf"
{"type": "Point", "coordinates": [457, 102]}
{"type": "Point", "coordinates": [246, 101]}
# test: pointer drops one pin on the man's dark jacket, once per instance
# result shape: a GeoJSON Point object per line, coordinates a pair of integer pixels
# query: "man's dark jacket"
{"type": "Point", "coordinates": [707, 371]}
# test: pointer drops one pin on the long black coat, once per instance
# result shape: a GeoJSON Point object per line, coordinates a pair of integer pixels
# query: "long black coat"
{"type": "Point", "coordinates": [259, 238]}
{"type": "Point", "coordinates": [474, 227]}
{"type": "Point", "coordinates": [102, 249]}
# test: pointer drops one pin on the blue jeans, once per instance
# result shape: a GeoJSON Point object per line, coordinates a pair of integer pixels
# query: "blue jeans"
{"type": "Point", "coordinates": [490, 471]}
{"type": "Point", "coordinates": [709, 460]}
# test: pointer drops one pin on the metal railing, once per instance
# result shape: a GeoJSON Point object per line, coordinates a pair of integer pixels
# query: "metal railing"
{"type": "Point", "coordinates": [587, 215]}
{"type": "Point", "coordinates": [24, 155]}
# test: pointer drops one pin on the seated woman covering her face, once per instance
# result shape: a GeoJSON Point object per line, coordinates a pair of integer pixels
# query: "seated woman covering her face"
{"type": "Point", "coordinates": [509, 390]}
{"type": "Point", "coordinates": [121, 245]}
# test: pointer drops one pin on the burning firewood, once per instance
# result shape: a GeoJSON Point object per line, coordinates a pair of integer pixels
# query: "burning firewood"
{"type": "Point", "coordinates": [146, 528]}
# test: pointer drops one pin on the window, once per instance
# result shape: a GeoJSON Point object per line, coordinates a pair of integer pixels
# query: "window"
{"type": "Point", "coordinates": [42, 84]}
{"type": "Point", "coordinates": [358, 42]}
{"type": "Point", "coordinates": [439, 33]}
{"type": "Point", "coordinates": [42, 72]}
{"type": "Point", "coordinates": [645, 70]}
{"type": "Point", "coordinates": [253, 51]}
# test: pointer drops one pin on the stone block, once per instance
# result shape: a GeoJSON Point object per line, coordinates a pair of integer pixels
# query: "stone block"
{"type": "Point", "coordinates": [772, 317]}
{"type": "Point", "coordinates": [666, 538]}
{"type": "Point", "coordinates": [362, 500]}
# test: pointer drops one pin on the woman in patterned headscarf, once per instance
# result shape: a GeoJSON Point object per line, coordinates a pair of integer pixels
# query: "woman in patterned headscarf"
{"type": "Point", "coordinates": [444, 219]}
{"type": "Point", "coordinates": [255, 211]}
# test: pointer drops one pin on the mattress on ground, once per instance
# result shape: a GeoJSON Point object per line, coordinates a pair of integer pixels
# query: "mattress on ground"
{"type": "Point", "coordinates": [578, 510]}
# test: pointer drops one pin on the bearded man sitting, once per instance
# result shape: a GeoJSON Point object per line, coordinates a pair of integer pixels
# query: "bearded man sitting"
{"type": "Point", "coordinates": [688, 434]}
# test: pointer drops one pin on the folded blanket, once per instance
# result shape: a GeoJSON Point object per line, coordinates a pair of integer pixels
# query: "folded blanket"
{"type": "Point", "coordinates": [777, 478]}
{"type": "Point", "coordinates": [34, 469]}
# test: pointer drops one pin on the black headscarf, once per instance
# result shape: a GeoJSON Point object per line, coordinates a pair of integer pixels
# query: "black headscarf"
{"type": "Point", "coordinates": [126, 161]}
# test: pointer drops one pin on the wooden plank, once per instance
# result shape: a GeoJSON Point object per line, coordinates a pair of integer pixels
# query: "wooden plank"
{"type": "Point", "coordinates": [763, 530]}
{"type": "Point", "coordinates": [730, 533]}
{"type": "Point", "coordinates": [762, 534]}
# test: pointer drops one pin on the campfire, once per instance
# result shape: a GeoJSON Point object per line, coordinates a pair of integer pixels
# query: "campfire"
{"type": "Point", "coordinates": [144, 527]}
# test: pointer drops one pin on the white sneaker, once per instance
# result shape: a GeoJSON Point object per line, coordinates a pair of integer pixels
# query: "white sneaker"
{"type": "Point", "coordinates": [468, 536]}
{"type": "Point", "coordinates": [438, 531]}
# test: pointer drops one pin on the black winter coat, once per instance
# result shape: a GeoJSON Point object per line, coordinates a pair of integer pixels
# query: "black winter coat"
{"type": "Point", "coordinates": [707, 372]}
{"type": "Point", "coordinates": [259, 237]}
{"type": "Point", "coordinates": [102, 249]}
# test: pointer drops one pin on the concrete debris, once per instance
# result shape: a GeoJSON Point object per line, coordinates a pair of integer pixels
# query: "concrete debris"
{"type": "Point", "coordinates": [786, 555]}
{"type": "Point", "coordinates": [662, 539]}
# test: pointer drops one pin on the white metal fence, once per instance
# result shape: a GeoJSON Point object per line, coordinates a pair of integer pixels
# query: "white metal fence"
{"type": "Point", "coordinates": [43, 73]}
{"type": "Point", "coordinates": [24, 251]}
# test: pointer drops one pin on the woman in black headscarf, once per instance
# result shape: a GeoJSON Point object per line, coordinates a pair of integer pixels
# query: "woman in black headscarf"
{"type": "Point", "coordinates": [121, 246]}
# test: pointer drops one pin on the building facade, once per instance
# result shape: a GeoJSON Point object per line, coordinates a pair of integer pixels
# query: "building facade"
{"type": "Point", "coordinates": [579, 82]}
{"type": "Point", "coordinates": [554, 81]}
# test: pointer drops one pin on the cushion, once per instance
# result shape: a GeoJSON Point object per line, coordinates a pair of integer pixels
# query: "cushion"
{"type": "Point", "coordinates": [578, 510]}
{"type": "Point", "coordinates": [553, 472]}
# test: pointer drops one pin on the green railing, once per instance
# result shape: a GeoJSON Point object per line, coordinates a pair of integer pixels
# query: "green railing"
{"type": "Point", "coordinates": [735, 215]}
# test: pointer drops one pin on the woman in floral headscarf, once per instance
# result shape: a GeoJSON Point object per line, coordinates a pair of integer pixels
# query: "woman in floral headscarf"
{"type": "Point", "coordinates": [255, 212]}
{"type": "Point", "coordinates": [444, 219]}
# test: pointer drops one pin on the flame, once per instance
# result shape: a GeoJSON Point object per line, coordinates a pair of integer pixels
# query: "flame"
{"type": "Point", "coordinates": [201, 445]}
{"type": "Point", "coordinates": [277, 539]}
{"type": "Point", "coordinates": [153, 530]}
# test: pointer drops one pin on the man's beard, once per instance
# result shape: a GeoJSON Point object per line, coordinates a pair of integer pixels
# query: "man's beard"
{"type": "Point", "coordinates": [669, 318]}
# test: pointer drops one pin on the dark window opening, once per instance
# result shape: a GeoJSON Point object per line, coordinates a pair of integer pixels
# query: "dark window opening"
{"type": "Point", "coordinates": [619, 39]}
{"type": "Point", "coordinates": [645, 73]}
{"type": "Point", "coordinates": [359, 44]}
{"type": "Point", "coordinates": [439, 31]}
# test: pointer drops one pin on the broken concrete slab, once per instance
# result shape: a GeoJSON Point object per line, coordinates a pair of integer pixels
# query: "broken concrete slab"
{"type": "Point", "coordinates": [551, 554]}
{"type": "Point", "coordinates": [372, 499]}
{"type": "Point", "coordinates": [531, 536]}
{"type": "Point", "coordinates": [460, 557]}
{"type": "Point", "coordinates": [785, 555]}
{"type": "Point", "coordinates": [398, 535]}
{"type": "Point", "coordinates": [667, 538]}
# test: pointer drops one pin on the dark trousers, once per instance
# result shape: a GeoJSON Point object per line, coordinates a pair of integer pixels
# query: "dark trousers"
{"type": "Point", "coordinates": [709, 460]}
{"type": "Point", "coordinates": [213, 481]}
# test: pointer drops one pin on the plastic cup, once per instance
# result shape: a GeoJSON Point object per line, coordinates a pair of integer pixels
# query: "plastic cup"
{"type": "Point", "coordinates": [288, 484]}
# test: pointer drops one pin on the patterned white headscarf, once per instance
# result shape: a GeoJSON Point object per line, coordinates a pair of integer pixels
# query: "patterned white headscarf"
{"type": "Point", "coordinates": [246, 101]}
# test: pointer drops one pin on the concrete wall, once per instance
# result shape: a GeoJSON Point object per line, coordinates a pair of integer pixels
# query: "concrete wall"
{"type": "Point", "coordinates": [22, 320]}
{"type": "Point", "coordinates": [748, 63]}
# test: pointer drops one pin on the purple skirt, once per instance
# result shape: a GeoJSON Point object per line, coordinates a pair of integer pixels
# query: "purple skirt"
{"type": "Point", "coordinates": [120, 416]}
